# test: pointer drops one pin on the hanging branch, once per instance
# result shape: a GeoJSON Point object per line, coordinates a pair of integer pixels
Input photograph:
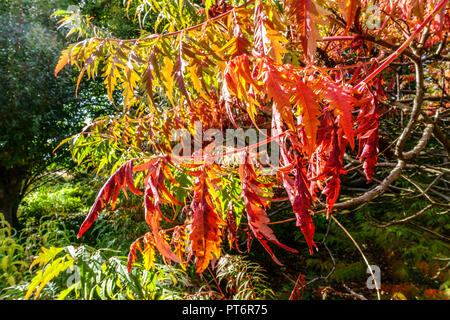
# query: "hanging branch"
{"type": "Point", "coordinates": [242, 69]}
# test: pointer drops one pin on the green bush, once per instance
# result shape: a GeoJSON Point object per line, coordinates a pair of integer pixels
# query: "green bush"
{"type": "Point", "coordinates": [55, 199]}
{"type": "Point", "coordinates": [87, 273]}
{"type": "Point", "coordinates": [12, 264]}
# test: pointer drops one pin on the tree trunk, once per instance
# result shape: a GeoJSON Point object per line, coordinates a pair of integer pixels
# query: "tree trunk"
{"type": "Point", "coordinates": [11, 193]}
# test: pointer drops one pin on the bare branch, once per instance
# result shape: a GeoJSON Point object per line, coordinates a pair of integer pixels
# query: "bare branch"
{"type": "Point", "coordinates": [375, 192]}
{"type": "Point", "coordinates": [378, 224]}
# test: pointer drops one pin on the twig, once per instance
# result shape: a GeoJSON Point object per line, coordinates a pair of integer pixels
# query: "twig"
{"type": "Point", "coordinates": [360, 251]}
{"type": "Point", "coordinates": [431, 232]}
{"type": "Point", "coordinates": [391, 223]}
{"type": "Point", "coordinates": [323, 242]}
{"type": "Point", "coordinates": [357, 295]}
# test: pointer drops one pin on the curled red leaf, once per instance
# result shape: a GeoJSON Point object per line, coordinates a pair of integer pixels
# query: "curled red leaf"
{"type": "Point", "coordinates": [121, 178]}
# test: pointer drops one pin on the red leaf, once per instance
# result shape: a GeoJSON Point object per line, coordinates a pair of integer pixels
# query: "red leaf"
{"type": "Point", "coordinates": [334, 169]}
{"type": "Point", "coordinates": [299, 288]}
{"type": "Point", "coordinates": [257, 216]}
{"type": "Point", "coordinates": [367, 132]}
{"type": "Point", "coordinates": [297, 189]}
{"type": "Point", "coordinates": [302, 205]}
{"type": "Point", "coordinates": [132, 255]}
{"type": "Point", "coordinates": [109, 192]}
{"type": "Point", "coordinates": [304, 15]}
{"type": "Point", "coordinates": [146, 165]}
{"type": "Point", "coordinates": [129, 178]}
{"type": "Point", "coordinates": [241, 42]}
{"type": "Point", "coordinates": [147, 77]}
{"type": "Point", "coordinates": [370, 154]}
{"type": "Point", "coordinates": [317, 161]}
{"type": "Point", "coordinates": [232, 228]}
{"type": "Point", "coordinates": [341, 102]}
{"type": "Point", "coordinates": [260, 30]}
{"type": "Point", "coordinates": [153, 212]}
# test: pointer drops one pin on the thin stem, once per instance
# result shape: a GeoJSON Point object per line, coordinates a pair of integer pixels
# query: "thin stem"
{"type": "Point", "coordinates": [215, 280]}
{"type": "Point", "coordinates": [360, 251]}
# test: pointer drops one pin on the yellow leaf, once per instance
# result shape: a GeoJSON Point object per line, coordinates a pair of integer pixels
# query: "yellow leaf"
{"type": "Point", "coordinates": [148, 255]}
{"type": "Point", "coordinates": [46, 255]}
{"type": "Point", "coordinates": [399, 296]}
{"type": "Point", "coordinates": [5, 263]}
{"type": "Point", "coordinates": [168, 78]}
{"type": "Point", "coordinates": [197, 83]}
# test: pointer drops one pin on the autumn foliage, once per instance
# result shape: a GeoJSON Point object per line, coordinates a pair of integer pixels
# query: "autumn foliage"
{"type": "Point", "coordinates": [278, 66]}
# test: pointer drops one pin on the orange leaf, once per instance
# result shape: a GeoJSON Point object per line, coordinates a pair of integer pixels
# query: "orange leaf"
{"type": "Point", "coordinates": [206, 226]}
{"type": "Point", "coordinates": [63, 60]}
